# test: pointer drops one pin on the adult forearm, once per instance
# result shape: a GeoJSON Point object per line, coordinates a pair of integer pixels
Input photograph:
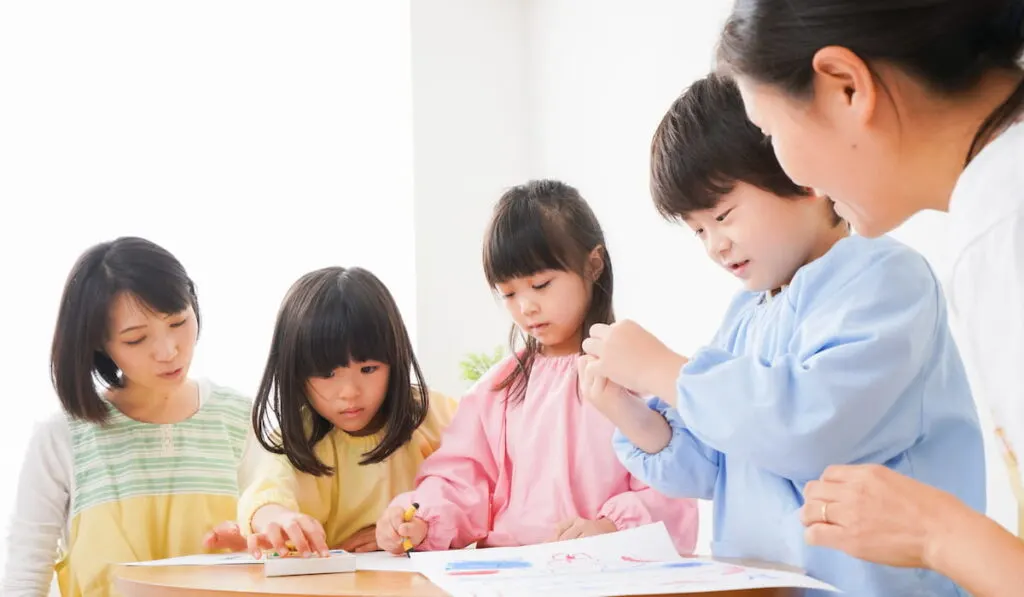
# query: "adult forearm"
{"type": "Point", "coordinates": [979, 555]}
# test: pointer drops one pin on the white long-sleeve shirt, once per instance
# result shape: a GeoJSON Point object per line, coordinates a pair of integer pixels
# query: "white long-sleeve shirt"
{"type": "Point", "coordinates": [986, 289]}
{"type": "Point", "coordinates": [39, 524]}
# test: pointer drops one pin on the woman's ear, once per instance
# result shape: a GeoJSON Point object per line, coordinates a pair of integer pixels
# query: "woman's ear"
{"type": "Point", "coordinates": [595, 263]}
{"type": "Point", "coordinates": [844, 84]}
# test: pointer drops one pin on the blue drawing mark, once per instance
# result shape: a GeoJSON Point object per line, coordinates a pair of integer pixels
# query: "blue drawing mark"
{"type": "Point", "coordinates": [486, 565]}
{"type": "Point", "coordinates": [684, 564]}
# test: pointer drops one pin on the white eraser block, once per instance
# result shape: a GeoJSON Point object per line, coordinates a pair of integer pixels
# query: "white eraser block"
{"type": "Point", "coordinates": [291, 566]}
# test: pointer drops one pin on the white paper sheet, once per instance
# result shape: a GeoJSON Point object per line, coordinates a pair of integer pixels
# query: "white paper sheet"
{"type": "Point", "coordinates": [364, 561]}
{"type": "Point", "coordinates": [639, 561]}
{"type": "Point", "coordinates": [383, 561]}
{"type": "Point", "coordinates": [202, 560]}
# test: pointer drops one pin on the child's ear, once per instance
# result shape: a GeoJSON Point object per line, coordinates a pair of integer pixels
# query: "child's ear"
{"type": "Point", "coordinates": [595, 263]}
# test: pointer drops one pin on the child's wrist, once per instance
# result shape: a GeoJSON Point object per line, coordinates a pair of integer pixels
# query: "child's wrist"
{"type": "Point", "coordinates": [263, 515]}
{"type": "Point", "coordinates": [613, 407]}
{"type": "Point", "coordinates": [662, 375]}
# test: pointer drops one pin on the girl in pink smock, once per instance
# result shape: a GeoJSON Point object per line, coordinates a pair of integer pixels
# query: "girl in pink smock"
{"type": "Point", "coordinates": [525, 460]}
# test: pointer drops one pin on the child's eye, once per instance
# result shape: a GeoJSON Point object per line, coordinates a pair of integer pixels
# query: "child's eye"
{"type": "Point", "coordinates": [178, 324]}
{"type": "Point", "coordinates": [542, 285]}
{"type": "Point", "coordinates": [135, 342]}
{"type": "Point", "coordinates": [699, 231]}
{"type": "Point", "coordinates": [507, 295]}
{"type": "Point", "coordinates": [721, 218]}
{"type": "Point", "coordinates": [368, 369]}
{"type": "Point", "coordinates": [327, 375]}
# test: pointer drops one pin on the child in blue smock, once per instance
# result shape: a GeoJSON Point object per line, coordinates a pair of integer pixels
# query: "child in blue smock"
{"type": "Point", "coordinates": [837, 351]}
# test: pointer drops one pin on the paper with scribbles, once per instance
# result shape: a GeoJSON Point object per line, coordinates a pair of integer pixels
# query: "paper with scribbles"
{"type": "Point", "coordinates": [639, 561]}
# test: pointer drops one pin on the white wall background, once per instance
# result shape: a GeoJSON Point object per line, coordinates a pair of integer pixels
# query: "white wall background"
{"type": "Point", "coordinates": [260, 140]}
{"type": "Point", "coordinates": [255, 140]}
{"type": "Point", "coordinates": [472, 141]}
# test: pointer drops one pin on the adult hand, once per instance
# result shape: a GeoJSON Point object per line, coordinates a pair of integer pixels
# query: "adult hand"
{"type": "Point", "coordinates": [225, 535]}
{"type": "Point", "coordinates": [874, 513]}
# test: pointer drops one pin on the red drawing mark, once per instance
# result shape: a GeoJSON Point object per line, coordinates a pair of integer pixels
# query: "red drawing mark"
{"type": "Point", "coordinates": [571, 557]}
{"type": "Point", "coordinates": [637, 560]}
{"type": "Point", "coordinates": [473, 573]}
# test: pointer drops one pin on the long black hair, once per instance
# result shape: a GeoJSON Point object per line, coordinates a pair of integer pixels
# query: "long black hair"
{"type": "Point", "coordinates": [537, 226]}
{"type": "Point", "coordinates": [329, 318]}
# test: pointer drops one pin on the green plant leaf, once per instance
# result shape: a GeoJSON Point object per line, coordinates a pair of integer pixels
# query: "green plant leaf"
{"type": "Point", "coordinates": [474, 365]}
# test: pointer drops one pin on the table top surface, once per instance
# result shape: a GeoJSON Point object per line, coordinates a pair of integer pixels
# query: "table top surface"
{"type": "Point", "coordinates": [249, 581]}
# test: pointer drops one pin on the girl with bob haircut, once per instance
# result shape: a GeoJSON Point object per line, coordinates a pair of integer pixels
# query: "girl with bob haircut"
{"type": "Point", "coordinates": [343, 414]}
{"type": "Point", "coordinates": [143, 458]}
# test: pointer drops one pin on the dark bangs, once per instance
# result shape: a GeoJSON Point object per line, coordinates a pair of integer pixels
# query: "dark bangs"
{"type": "Point", "coordinates": [331, 318]}
{"type": "Point", "coordinates": [162, 291]}
{"type": "Point", "coordinates": [522, 241]}
{"type": "Point", "coordinates": [341, 327]}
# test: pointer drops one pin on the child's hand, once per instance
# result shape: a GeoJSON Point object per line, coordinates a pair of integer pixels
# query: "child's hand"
{"type": "Point", "coordinates": [361, 541]}
{"type": "Point", "coordinates": [574, 528]}
{"type": "Point", "coordinates": [278, 526]}
{"type": "Point", "coordinates": [225, 535]}
{"type": "Point", "coordinates": [632, 357]}
{"type": "Point", "coordinates": [392, 530]}
{"type": "Point", "coordinates": [597, 389]}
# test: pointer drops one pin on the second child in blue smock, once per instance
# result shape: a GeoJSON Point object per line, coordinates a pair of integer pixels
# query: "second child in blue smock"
{"type": "Point", "coordinates": [838, 351]}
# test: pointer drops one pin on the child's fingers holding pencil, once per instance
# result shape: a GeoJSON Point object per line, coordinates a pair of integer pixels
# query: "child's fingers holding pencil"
{"type": "Point", "coordinates": [411, 528]}
{"type": "Point", "coordinates": [388, 538]}
{"type": "Point", "coordinates": [396, 517]}
{"type": "Point", "coordinates": [415, 531]}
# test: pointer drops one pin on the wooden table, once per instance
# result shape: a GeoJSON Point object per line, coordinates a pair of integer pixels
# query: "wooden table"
{"type": "Point", "coordinates": [249, 581]}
